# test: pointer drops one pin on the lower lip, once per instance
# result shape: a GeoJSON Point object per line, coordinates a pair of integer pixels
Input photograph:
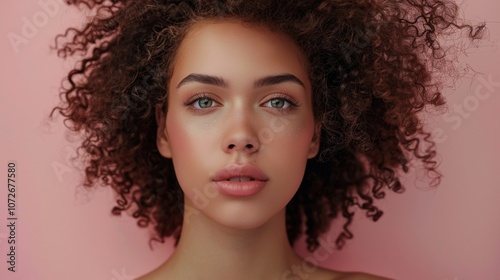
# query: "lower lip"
{"type": "Point", "coordinates": [246, 188]}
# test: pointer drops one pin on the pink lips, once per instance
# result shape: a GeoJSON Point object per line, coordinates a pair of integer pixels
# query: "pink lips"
{"type": "Point", "coordinates": [245, 187]}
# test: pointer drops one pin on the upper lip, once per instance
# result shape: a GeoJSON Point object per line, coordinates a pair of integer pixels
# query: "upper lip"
{"type": "Point", "coordinates": [238, 170]}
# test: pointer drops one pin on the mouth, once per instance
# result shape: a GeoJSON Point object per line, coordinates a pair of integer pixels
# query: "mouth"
{"type": "Point", "coordinates": [240, 173]}
{"type": "Point", "coordinates": [237, 188]}
{"type": "Point", "coordinates": [240, 180]}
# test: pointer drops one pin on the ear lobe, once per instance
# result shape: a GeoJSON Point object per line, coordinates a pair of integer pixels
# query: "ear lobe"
{"type": "Point", "coordinates": [162, 142]}
{"type": "Point", "coordinates": [315, 142]}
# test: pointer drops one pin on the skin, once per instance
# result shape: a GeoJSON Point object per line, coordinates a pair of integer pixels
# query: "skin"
{"type": "Point", "coordinates": [226, 237]}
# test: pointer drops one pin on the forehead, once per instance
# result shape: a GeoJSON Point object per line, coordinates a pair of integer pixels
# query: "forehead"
{"type": "Point", "coordinates": [230, 47]}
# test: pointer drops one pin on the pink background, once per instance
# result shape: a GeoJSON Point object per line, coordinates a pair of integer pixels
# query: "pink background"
{"type": "Point", "coordinates": [63, 232]}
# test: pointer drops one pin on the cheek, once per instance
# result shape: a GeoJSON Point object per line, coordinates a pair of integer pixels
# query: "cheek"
{"type": "Point", "coordinates": [289, 149]}
{"type": "Point", "coordinates": [291, 138]}
{"type": "Point", "coordinates": [187, 138]}
{"type": "Point", "coordinates": [183, 148]}
{"type": "Point", "coordinates": [192, 151]}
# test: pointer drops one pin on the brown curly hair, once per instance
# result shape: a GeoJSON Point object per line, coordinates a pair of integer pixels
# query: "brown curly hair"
{"type": "Point", "coordinates": [374, 66]}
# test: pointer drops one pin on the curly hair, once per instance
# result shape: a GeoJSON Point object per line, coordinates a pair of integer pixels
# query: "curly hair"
{"type": "Point", "coordinates": [373, 65]}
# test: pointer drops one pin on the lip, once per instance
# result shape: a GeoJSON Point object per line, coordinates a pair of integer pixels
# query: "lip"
{"type": "Point", "coordinates": [240, 189]}
{"type": "Point", "coordinates": [245, 188]}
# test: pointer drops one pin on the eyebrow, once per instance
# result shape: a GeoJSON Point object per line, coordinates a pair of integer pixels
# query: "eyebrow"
{"type": "Point", "coordinates": [220, 82]}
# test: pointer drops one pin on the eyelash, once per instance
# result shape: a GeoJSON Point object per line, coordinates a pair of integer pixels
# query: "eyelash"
{"type": "Point", "coordinates": [195, 98]}
{"type": "Point", "coordinates": [203, 95]}
{"type": "Point", "coordinates": [293, 104]}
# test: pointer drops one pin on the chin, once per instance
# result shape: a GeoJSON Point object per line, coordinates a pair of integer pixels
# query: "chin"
{"type": "Point", "coordinates": [238, 215]}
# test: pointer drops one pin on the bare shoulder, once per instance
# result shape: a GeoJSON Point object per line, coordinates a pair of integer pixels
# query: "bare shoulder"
{"type": "Point", "coordinates": [327, 274]}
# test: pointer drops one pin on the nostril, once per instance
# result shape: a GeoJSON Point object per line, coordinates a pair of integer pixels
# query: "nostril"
{"type": "Point", "coordinates": [247, 146]}
{"type": "Point", "coordinates": [242, 146]}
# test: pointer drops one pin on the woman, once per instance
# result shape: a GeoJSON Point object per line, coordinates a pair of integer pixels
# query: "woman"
{"type": "Point", "coordinates": [225, 123]}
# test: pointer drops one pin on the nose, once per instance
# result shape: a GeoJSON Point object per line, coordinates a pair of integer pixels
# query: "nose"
{"type": "Point", "coordinates": [247, 145]}
{"type": "Point", "coordinates": [240, 137]}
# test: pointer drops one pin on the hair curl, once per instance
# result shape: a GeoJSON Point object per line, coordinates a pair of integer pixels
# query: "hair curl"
{"type": "Point", "coordinates": [373, 66]}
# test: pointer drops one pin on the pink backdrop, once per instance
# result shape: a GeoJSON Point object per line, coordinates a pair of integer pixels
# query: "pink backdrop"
{"type": "Point", "coordinates": [63, 232]}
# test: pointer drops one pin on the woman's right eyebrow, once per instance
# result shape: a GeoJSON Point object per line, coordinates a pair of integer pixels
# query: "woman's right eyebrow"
{"type": "Point", "coordinates": [203, 79]}
{"type": "Point", "coordinates": [220, 82]}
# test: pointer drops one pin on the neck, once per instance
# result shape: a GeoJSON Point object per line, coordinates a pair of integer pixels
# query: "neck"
{"type": "Point", "coordinates": [208, 250]}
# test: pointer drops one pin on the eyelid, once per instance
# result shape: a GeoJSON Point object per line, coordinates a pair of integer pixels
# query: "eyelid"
{"type": "Point", "coordinates": [189, 104]}
{"type": "Point", "coordinates": [289, 99]}
{"type": "Point", "coordinates": [200, 95]}
{"type": "Point", "coordinates": [277, 95]}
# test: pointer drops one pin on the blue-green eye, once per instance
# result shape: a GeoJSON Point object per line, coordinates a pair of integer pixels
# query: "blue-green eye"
{"type": "Point", "coordinates": [203, 102]}
{"type": "Point", "coordinates": [282, 102]}
{"type": "Point", "coordinates": [279, 103]}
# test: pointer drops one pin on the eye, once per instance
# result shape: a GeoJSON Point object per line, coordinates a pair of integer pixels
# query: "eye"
{"type": "Point", "coordinates": [282, 102]}
{"type": "Point", "coordinates": [279, 103]}
{"type": "Point", "coordinates": [203, 102]}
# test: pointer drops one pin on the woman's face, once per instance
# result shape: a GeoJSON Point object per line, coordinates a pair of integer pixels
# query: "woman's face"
{"type": "Point", "coordinates": [237, 119]}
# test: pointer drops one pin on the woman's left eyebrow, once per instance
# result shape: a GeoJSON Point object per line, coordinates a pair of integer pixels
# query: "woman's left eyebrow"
{"type": "Point", "coordinates": [220, 82]}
